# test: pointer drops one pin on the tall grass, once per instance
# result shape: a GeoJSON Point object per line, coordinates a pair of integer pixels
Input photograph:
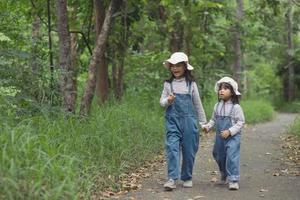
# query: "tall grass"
{"type": "Point", "coordinates": [257, 111]}
{"type": "Point", "coordinates": [295, 128]}
{"type": "Point", "coordinates": [45, 158]}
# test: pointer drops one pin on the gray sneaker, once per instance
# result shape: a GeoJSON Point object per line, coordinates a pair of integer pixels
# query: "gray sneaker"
{"type": "Point", "coordinates": [233, 186]}
{"type": "Point", "coordinates": [170, 185]}
{"type": "Point", "coordinates": [188, 184]}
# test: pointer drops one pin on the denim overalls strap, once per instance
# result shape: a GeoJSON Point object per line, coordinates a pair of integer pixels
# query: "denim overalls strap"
{"type": "Point", "coordinates": [183, 103]}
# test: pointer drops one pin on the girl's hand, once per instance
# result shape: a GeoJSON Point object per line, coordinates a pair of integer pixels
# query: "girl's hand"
{"type": "Point", "coordinates": [225, 134]}
{"type": "Point", "coordinates": [171, 98]}
{"type": "Point", "coordinates": [205, 129]}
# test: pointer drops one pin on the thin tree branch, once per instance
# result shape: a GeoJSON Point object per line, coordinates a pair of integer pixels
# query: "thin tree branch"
{"type": "Point", "coordinates": [296, 2]}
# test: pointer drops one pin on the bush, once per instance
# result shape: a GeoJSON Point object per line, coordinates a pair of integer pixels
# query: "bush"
{"type": "Point", "coordinates": [46, 158]}
{"type": "Point", "coordinates": [257, 111]}
{"type": "Point", "coordinates": [291, 107]}
{"type": "Point", "coordinates": [295, 128]}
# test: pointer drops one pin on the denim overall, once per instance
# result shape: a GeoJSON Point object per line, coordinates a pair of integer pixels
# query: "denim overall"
{"type": "Point", "coordinates": [226, 152]}
{"type": "Point", "coordinates": [182, 135]}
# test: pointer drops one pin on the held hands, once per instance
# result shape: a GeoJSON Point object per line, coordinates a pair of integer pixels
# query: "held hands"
{"type": "Point", "coordinates": [171, 98]}
{"type": "Point", "coordinates": [225, 134]}
{"type": "Point", "coordinates": [205, 129]}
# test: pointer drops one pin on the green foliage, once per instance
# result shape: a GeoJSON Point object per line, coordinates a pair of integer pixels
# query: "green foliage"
{"type": "Point", "coordinates": [263, 82]}
{"type": "Point", "coordinates": [291, 107]}
{"type": "Point", "coordinates": [58, 158]}
{"type": "Point", "coordinates": [295, 128]}
{"type": "Point", "coordinates": [257, 111]}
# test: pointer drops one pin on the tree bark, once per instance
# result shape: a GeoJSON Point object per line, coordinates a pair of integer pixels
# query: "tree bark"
{"type": "Point", "coordinates": [34, 61]}
{"type": "Point", "coordinates": [50, 46]}
{"type": "Point", "coordinates": [290, 50]}
{"type": "Point", "coordinates": [237, 42]}
{"type": "Point", "coordinates": [67, 69]}
{"type": "Point", "coordinates": [102, 66]}
{"type": "Point", "coordinates": [74, 53]}
{"type": "Point", "coordinates": [99, 49]}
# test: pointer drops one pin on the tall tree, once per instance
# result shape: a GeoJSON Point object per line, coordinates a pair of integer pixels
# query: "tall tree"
{"type": "Point", "coordinates": [68, 88]}
{"type": "Point", "coordinates": [237, 41]}
{"type": "Point", "coordinates": [74, 44]}
{"type": "Point", "coordinates": [102, 66]}
{"type": "Point", "coordinates": [99, 49]}
{"type": "Point", "coordinates": [290, 50]}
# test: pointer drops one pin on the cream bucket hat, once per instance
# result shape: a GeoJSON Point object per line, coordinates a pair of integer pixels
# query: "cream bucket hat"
{"type": "Point", "coordinates": [178, 57]}
{"type": "Point", "coordinates": [230, 81]}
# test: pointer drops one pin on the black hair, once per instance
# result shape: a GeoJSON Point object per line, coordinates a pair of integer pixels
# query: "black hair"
{"type": "Point", "coordinates": [234, 98]}
{"type": "Point", "coordinates": [189, 78]}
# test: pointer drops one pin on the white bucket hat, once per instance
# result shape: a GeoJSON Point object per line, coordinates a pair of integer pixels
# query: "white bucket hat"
{"type": "Point", "coordinates": [230, 81]}
{"type": "Point", "coordinates": [178, 57]}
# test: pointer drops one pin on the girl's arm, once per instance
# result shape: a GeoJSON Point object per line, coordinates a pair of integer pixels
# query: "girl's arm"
{"type": "Point", "coordinates": [211, 122]}
{"type": "Point", "coordinates": [165, 94]}
{"type": "Point", "coordinates": [198, 105]}
{"type": "Point", "coordinates": [238, 119]}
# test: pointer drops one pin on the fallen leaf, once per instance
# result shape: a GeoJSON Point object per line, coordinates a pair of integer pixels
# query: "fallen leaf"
{"type": "Point", "coordinates": [263, 190]}
{"type": "Point", "coordinates": [198, 197]}
{"type": "Point", "coordinates": [276, 174]}
{"type": "Point", "coordinates": [214, 179]}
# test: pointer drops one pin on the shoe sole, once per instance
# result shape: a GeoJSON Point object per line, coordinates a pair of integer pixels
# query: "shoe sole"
{"type": "Point", "coordinates": [169, 188]}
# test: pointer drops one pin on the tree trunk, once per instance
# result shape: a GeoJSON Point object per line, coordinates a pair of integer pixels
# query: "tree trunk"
{"type": "Point", "coordinates": [67, 70]}
{"type": "Point", "coordinates": [102, 66]}
{"type": "Point", "coordinates": [237, 42]}
{"type": "Point", "coordinates": [34, 61]}
{"type": "Point", "coordinates": [290, 50]}
{"type": "Point", "coordinates": [177, 35]}
{"type": "Point", "coordinates": [50, 46]}
{"type": "Point", "coordinates": [99, 49]}
{"type": "Point", "coordinates": [74, 53]}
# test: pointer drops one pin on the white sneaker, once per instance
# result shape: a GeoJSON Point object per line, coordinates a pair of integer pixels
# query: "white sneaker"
{"type": "Point", "coordinates": [170, 185]}
{"type": "Point", "coordinates": [233, 186]}
{"type": "Point", "coordinates": [188, 184]}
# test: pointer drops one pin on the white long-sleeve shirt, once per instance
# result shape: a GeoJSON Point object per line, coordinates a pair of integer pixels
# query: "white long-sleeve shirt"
{"type": "Point", "coordinates": [223, 108]}
{"type": "Point", "coordinates": [180, 87]}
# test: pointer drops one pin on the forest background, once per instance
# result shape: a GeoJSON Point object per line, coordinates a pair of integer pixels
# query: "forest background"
{"type": "Point", "coordinates": [81, 81]}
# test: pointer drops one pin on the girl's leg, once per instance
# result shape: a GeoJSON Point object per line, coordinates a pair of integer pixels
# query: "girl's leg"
{"type": "Point", "coordinates": [233, 158]}
{"type": "Point", "coordinates": [172, 145]}
{"type": "Point", "coordinates": [219, 155]}
{"type": "Point", "coordinates": [190, 142]}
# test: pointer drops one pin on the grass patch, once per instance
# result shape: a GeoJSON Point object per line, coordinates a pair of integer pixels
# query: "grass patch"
{"type": "Point", "coordinates": [295, 128]}
{"type": "Point", "coordinates": [292, 107]}
{"type": "Point", "coordinates": [256, 111]}
{"type": "Point", "coordinates": [46, 158]}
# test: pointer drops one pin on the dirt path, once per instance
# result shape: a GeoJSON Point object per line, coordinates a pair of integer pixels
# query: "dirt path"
{"type": "Point", "coordinates": [263, 174]}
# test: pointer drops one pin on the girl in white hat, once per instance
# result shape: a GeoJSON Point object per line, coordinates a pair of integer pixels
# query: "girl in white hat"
{"type": "Point", "coordinates": [228, 119]}
{"type": "Point", "coordinates": [184, 113]}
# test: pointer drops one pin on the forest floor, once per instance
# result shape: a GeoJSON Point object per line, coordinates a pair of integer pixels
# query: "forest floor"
{"type": "Point", "coordinates": [270, 168]}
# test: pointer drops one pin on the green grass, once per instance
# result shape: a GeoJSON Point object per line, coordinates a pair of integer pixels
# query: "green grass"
{"type": "Point", "coordinates": [45, 158]}
{"type": "Point", "coordinates": [295, 128]}
{"type": "Point", "coordinates": [292, 107]}
{"type": "Point", "coordinates": [256, 111]}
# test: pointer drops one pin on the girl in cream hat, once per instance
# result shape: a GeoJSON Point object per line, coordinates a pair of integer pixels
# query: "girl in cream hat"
{"type": "Point", "coordinates": [184, 114]}
{"type": "Point", "coordinates": [228, 119]}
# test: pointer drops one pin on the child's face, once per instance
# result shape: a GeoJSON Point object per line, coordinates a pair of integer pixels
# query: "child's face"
{"type": "Point", "coordinates": [224, 92]}
{"type": "Point", "coordinates": [178, 70]}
